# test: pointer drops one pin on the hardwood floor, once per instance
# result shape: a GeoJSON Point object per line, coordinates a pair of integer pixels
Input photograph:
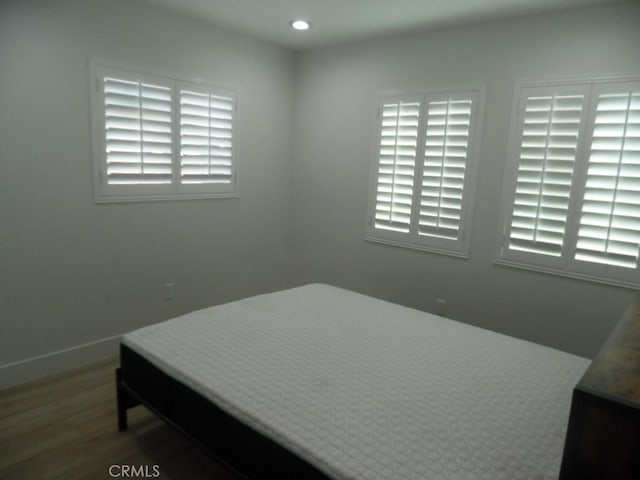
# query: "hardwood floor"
{"type": "Point", "coordinates": [65, 428]}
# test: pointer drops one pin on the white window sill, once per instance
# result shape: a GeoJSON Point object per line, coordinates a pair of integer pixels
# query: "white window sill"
{"type": "Point", "coordinates": [162, 198]}
{"type": "Point", "coordinates": [566, 274]}
{"type": "Point", "coordinates": [419, 247]}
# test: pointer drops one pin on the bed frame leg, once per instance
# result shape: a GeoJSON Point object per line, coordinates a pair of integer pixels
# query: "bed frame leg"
{"type": "Point", "coordinates": [123, 402]}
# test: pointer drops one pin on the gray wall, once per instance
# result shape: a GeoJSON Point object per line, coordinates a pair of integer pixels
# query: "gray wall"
{"type": "Point", "coordinates": [73, 271]}
{"type": "Point", "coordinates": [335, 102]}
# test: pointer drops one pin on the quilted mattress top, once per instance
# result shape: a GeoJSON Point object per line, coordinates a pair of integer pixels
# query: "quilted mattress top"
{"type": "Point", "coordinates": [366, 389]}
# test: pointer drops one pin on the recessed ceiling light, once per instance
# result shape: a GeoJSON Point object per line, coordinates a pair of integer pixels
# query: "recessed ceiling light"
{"type": "Point", "coordinates": [300, 24]}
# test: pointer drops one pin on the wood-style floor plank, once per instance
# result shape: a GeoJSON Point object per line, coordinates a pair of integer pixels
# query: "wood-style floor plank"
{"type": "Point", "coordinates": [65, 428]}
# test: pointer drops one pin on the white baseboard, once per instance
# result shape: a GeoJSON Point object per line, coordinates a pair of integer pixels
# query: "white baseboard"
{"type": "Point", "coordinates": [31, 369]}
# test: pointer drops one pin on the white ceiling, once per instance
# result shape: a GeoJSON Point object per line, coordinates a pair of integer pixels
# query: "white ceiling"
{"type": "Point", "coordinates": [339, 21]}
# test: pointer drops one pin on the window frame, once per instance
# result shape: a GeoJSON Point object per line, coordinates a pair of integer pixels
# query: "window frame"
{"type": "Point", "coordinates": [109, 193]}
{"type": "Point", "coordinates": [566, 265]}
{"type": "Point", "coordinates": [459, 247]}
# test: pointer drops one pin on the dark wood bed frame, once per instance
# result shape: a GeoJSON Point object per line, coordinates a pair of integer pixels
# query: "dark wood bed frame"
{"type": "Point", "coordinates": [241, 448]}
{"type": "Point", "coordinates": [602, 442]}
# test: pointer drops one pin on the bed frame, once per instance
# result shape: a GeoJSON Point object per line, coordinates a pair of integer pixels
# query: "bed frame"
{"type": "Point", "coordinates": [603, 436]}
{"type": "Point", "coordinates": [241, 448]}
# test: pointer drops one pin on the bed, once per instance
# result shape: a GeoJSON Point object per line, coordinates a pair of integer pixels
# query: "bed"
{"type": "Point", "coordinates": [317, 382]}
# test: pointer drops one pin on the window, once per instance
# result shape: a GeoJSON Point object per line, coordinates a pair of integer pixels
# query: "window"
{"type": "Point", "coordinates": [206, 137]}
{"type": "Point", "coordinates": [572, 186]}
{"type": "Point", "coordinates": [137, 131]}
{"type": "Point", "coordinates": [159, 138]}
{"type": "Point", "coordinates": [425, 166]}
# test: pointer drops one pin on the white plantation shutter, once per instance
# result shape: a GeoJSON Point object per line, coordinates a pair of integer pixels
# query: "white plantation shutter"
{"type": "Point", "coordinates": [399, 129]}
{"type": "Point", "coordinates": [609, 225]}
{"type": "Point", "coordinates": [138, 133]}
{"type": "Point", "coordinates": [206, 137]}
{"type": "Point", "coordinates": [448, 124]}
{"type": "Point", "coordinates": [420, 184]}
{"type": "Point", "coordinates": [575, 149]}
{"type": "Point", "coordinates": [157, 138]}
{"type": "Point", "coordinates": [550, 128]}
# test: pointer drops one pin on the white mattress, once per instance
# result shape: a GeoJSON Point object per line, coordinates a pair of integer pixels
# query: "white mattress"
{"type": "Point", "coordinates": [365, 389]}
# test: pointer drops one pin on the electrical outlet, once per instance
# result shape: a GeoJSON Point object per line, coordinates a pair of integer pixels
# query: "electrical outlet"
{"type": "Point", "coordinates": [440, 306]}
{"type": "Point", "coordinates": [169, 291]}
